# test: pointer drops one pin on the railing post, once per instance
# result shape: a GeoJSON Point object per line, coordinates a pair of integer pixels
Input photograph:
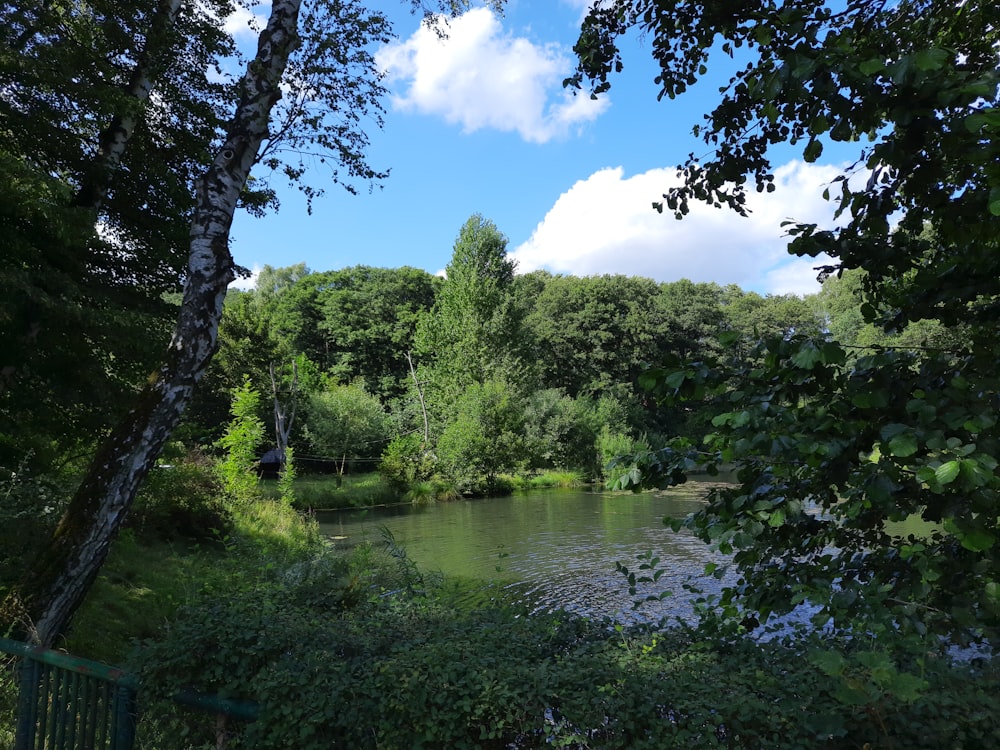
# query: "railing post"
{"type": "Point", "coordinates": [29, 676]}
{"type": "Point", "coordinates": [124, 717]}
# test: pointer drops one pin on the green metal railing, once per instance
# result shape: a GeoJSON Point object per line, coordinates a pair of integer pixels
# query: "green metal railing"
{"type": "Point", "coordinates": [69, 703]}
{"type": "Point", "coordinates": [65, 702]}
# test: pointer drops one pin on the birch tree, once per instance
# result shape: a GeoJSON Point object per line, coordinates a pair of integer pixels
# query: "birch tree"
{"type": "Point", "coordinates": [330, 88]}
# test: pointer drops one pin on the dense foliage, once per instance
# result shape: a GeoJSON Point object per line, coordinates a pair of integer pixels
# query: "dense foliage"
{"type": "Point", "coordinates": [868, 483]}
{"type": "Point", "coordinates": [330, 669]}
{"type": "Point", "coordinates": [484, 373]}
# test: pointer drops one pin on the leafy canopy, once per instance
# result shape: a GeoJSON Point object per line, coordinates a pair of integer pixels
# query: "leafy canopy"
{"type": "Point", "coordinates": [867, 478]}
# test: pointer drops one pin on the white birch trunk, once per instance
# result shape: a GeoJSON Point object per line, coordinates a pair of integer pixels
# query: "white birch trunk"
{"type": "Point", "coordinates": [45, 602]}
{"type": "Point", "coordinates": [114, 139]}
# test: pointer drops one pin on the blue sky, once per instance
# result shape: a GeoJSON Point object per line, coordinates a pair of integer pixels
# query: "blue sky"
{"type": "Point", "coordinates": [480, 123]}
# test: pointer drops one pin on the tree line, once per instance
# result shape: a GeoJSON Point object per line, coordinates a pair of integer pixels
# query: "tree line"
{"type": "Point", "coordinates": [484, 372]}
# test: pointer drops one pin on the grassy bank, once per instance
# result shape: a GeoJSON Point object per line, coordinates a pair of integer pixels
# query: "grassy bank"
{"type": "Point", "coordinates": [333, 492]}
{"type": "Point", "coordinates": [264, 609]}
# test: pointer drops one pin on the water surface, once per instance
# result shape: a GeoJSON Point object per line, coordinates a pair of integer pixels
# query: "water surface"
{"type": "Point", "coordinates": [556, 548]}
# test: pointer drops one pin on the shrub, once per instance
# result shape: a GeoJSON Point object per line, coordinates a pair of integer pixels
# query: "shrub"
{"type": "Point", "coordinates": [415, 673]}
{"type": "Point", "coordinates": [406, 461]}
{"type": "Point", "coordinates": [613, 445]}
{"type": "Point", "coordinates": [30, 508]}
{"type": "Point", "coordinates": [182, 499]}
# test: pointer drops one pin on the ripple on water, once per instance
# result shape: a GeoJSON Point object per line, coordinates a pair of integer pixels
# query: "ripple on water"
{"type": "Point", "coordinates": [558, 550]}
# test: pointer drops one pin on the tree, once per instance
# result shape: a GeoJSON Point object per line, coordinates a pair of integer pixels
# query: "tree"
{"type": "Point", "coordinates": [485, 437]}
{"type": "Point", "coordinates": [67, 567]}
{"type": "Point", "coordinates": [368, 321]}
{"type": "Point", "coordinates": [344, 422]}
{"type": "Point", "coordinates": [475, 331]}
{"type": "Point", "coordinates": [839, 302]}
{"type": "Point", "coordinates": [596, 332]}
{"type": "Point", "coordinates": [833, 451]}
{"type": "Point", "coordinates": [754, 316]}
{"type": "Point", "coordinates": [242, 440]}
{"type": "Point", "coordinates": [86, 146]}
{"type": "Point", "coordinates": [321, 65]}
{"type": "Point", "coordinates": [693, 315]}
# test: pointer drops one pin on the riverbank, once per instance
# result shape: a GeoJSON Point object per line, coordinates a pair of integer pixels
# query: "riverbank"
{"type": "Point", "coordinates": [318, 492]}
{"type": "Point", "coordinates": [271, 612]}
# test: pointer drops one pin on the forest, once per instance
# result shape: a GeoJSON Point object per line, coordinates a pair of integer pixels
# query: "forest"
{"type": "Point", "coordinates": [861, 427]}
{"type": "Point", "coordinates": [512, 373]}
{"type": "Point", "coordinates": [484, 374]}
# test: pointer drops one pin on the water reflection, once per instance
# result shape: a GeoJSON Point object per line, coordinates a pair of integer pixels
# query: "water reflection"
{"type": "Point", "coordinates": [558, 549]}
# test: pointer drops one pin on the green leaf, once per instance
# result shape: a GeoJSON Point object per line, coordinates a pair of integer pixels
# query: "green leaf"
{"type": "Point", "coordinates": [903, 445]}
{"type": "Point", "coordinates": [947, 472]}
{"type": "Point", "coordinates": [992, 592]}
{"type": "Point", "coordinates": [871, 66]}
{"type": "Point", "coordinates": [995, 202]}
{"type": "Point", "coordinates": [830, 663]}
{"type": "Point", "coordinates": [906, 687]}
{"type": "Point", "coordinates": [931, 59]}
{"type": "Point", "coordinates": [813, 151]}
{"type": "Point", "coordinates": [978, 540]}
{"type": "Point", "coordinates": [675, 379]}
{"type": "Point", "coordinates": [851, 694]}
{"type": "Point", "coordinates": [977, 120]}
{"type": "Point", "coordinates": [808, 356]}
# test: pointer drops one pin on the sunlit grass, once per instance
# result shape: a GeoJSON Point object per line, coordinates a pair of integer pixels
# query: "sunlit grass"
{"type": "Point", "coordinates": [331, 492]}
{"type": "Point", "coordinates": [144, 581]}
{"type": "Point", "coordinates": [548, 480]}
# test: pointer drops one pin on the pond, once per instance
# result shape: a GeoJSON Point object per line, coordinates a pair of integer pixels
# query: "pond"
{"type": "Point", "coordinates": [556, 549]}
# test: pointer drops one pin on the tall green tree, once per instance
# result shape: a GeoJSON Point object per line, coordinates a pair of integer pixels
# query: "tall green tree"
{"type": "Point", "coordinates": [594, 333]}
{"type": "Point", "coordinates": [692, 316]}
{"type": "Point", "coordinates": [369, 320]}
{"type": "Point", "coordinates": [833, 451]}
{"type": "Point", "coordinates": [106, 168]}
{"type": "Point", "coordinates": [475, 331]}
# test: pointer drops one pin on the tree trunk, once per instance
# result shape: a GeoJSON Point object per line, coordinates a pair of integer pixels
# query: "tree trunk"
{"type": "Point", "coordinates": [44, 602]}
{"type": "Point", "coordinates": [420, 395]}
{"type": "Point", "coordinates": [284, 415]}
{"type": "Point", "coordinates": [114, 139]}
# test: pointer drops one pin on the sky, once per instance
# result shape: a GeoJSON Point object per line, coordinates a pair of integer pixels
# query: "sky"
{"type": "Point", "coordinates": [479, 123]}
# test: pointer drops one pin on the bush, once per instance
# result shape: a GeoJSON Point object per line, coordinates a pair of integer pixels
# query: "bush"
{"type": "Point", "coordinates": [406, 461]}
{"type": "Point", "coordinates": [416, 673]}
{"type": "Point", "coordinates": [30, 507]}
{"type": "Point", "coordinates": [182, 499]}
{"type": "Point", "coordinates": [614, 445]}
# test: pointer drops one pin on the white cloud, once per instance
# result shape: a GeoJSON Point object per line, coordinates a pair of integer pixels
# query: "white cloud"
{"type": "Point", "coordinates": [606, 224]}
{"type": "Point", "coordinates": [245, 284]}
{"type": "Point", "coordinates": [582, 6]}
{"type": "Point", "coordinates": [478, 77]}
{"type": "Point", "coordinates": [246, 22]}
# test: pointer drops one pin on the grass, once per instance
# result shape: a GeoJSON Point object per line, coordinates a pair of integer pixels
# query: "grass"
{"type": "Point", "coordinates": [333, 492]}
{"type": "Point", "coordinates": [145, 581]}
{"type": "Point", "coordinates": [548, 480]}
{"type": "Point", "coordinates": [432, 490]}
{"type": "Point", "coordinates": [138, 590]}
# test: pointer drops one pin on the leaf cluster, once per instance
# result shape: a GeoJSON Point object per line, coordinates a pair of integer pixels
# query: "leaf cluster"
{"type": "Point", "coordinates": [417, 673]}
{"type": "Point", "coordinates": [867, 487]}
